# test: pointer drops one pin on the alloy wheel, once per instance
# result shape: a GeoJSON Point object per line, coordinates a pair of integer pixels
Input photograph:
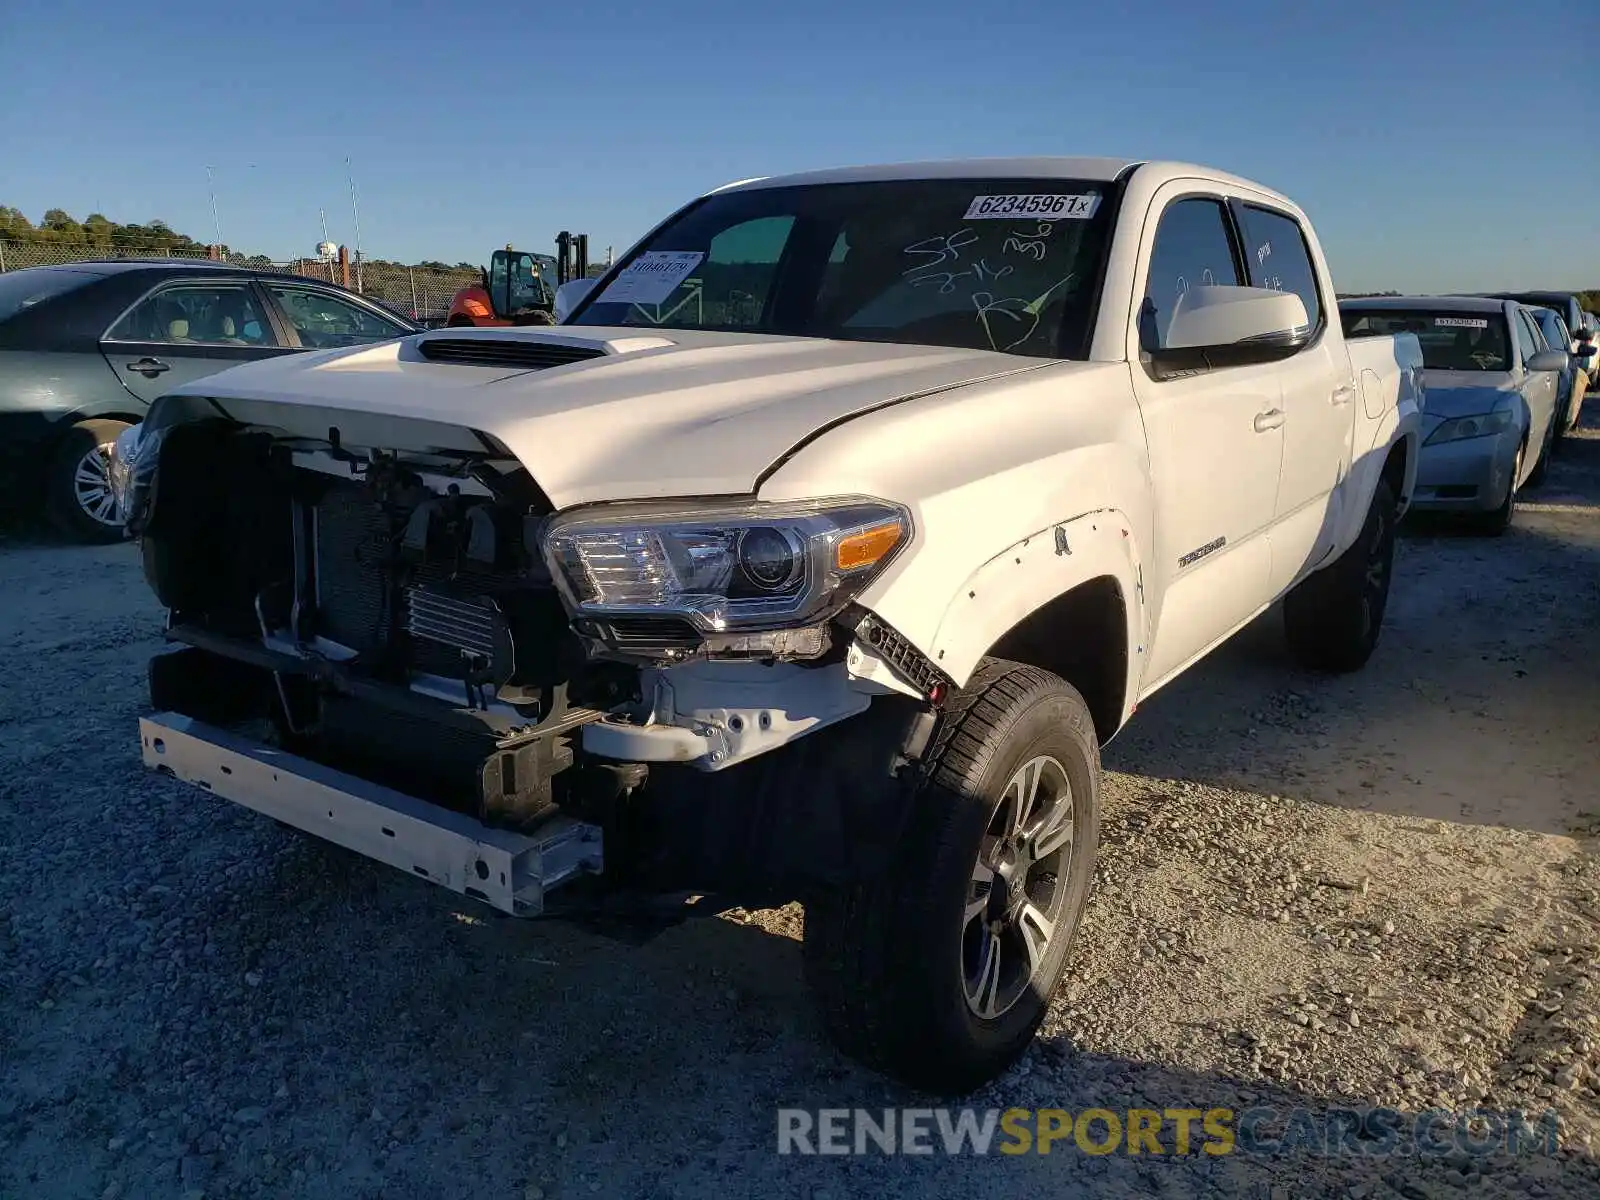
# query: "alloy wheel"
{"type": "Point", "coordinates": [1018, 888]}
{"type": "Point", "coordinates": [91, 486]}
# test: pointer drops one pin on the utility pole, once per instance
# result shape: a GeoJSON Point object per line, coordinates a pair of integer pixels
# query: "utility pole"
{"type": "Point", "coordinates": [216, 223]}
{"type": "Point", "coordinates": [355, 211]}
{"type": "Point", "coordinates": [323, 213]}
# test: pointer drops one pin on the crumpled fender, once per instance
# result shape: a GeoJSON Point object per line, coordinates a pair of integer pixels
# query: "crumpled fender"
{"type": "Point", "coordinates": [1024, 577]}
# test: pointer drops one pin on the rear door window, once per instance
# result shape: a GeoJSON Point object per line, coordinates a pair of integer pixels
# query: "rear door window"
{"type": "Point", "coordinates": [212, 314]}
{"type": "Point", "coordinates": [1277, 257]}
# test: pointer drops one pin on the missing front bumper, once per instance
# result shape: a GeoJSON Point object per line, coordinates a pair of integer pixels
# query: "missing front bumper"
{"type": "Point", "coordinates": [510, 871]}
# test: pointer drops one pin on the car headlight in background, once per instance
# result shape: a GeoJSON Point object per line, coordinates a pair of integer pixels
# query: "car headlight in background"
{"type": "Point", "coordinates": [740, 566]}
{"type": "Point", "coordinates": [1458, 429]}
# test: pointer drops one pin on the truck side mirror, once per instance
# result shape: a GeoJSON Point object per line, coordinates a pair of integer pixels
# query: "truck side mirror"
{"type": "Point", "coordinates": [570, 294]}
{"type": "Point", "coordinates": [1216, 325]}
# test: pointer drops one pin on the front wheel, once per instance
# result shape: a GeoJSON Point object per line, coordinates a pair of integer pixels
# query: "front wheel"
{"type": "Point", "coordinates": [1496, 521]}
{"type": "Point", "coordinates": [939, 970]}
{"type": "Point", "coordinates": [1541, 468]}
{"type": "Point", "coordinates": [1332, 618]}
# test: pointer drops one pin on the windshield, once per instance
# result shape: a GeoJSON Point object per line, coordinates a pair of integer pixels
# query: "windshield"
{"type": "Point", "coordinates": [1451, 341]}
{"type": "Point", "coordinates": [1007, 265]}
{"type": "Point", "coordinates": [22, 290]}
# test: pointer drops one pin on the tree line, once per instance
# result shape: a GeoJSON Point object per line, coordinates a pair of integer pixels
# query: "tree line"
{"type": "Point", "coordinates": [60, 227]}
{"type": "Point", "coordinates": [99, 232]}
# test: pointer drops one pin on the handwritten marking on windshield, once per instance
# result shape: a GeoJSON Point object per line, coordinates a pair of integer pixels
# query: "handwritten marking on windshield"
{"type": "Point", "coordinates": [1030, 244]}
{"type": "Point", "coordinates": [940, 250]}
{"type": "Point", "coordinates": [945, 279]}
{"type": "Point", "coordinates": [984, 271]}
{"type": "Point", "coordinates": [1024, 314]}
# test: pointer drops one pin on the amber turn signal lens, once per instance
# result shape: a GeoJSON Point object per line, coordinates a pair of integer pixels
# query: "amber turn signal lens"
{"type": "Point", "coordinates": [867, 547]}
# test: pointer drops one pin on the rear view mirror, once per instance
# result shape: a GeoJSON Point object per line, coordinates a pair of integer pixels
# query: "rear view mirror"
{"type": "Point", "coordinates": [570, 294]}
{"type": "Point", "coordinates": [1584, 351]}
{"type": "Point", "coordinates": [1215, 325]}
{"type": "Point", "coordinates": [1548, 360]}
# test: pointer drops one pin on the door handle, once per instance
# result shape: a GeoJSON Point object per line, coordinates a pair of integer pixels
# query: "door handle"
{"type": "Point", "coordinates": [1270, 419]}
{"type": "Point", "coordinates": [148, 367]}
{"type": "Point", "coordinates": [1344, 393]}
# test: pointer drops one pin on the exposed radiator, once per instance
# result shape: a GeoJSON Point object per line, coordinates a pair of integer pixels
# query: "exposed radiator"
{"type": "Point", "coordinates": [456, 628]}
{"type": "Point", "coordinates": [351, 546]}
{"type": "Point", "coordinates": [471, 624]}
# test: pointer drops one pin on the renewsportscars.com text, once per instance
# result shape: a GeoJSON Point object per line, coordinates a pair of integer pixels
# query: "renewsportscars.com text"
{"type": "Point", "coordinates": [1372, 1132]}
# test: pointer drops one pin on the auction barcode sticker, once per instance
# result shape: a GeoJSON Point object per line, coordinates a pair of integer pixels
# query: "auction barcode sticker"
{"type": "Point", "coordinates": [652, 277]}
{"type": "Point", "coordinates": [1461, 322]}
{"type": "Point", "coordinates": [1040, 208]}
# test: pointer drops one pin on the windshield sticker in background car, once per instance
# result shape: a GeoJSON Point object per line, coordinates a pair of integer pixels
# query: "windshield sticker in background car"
{"type": "Point", "coordinates": [1462, 322]}
{"type": "Point", "coordinates": [1042, 208]}
{"type": "Point", "coordinates": [652, 277]}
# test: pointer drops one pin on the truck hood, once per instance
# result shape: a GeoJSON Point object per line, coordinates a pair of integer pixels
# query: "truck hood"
{"type": "Point", "coordinates": [640, 415]}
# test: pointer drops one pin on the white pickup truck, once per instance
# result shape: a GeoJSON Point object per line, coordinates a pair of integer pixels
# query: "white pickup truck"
{"type": "Point", "coordinates": [813, 557]}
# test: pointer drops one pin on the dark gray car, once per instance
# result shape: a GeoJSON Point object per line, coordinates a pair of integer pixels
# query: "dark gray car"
{"type": "Point", "coordinates": [85, 348]}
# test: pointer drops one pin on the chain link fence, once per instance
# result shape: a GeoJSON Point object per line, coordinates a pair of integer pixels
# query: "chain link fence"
{"type": "Point", "coordinates": [420, 293]}
{"type": "Point", "coordinates": [14, 256]}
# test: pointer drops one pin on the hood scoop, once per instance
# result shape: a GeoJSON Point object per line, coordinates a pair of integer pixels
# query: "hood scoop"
{"type": "Point", "coordinates": [518, 354]}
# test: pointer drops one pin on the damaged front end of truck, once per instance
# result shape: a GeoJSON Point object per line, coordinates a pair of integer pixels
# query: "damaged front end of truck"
{"type": "Point", "coordinates": [383, 633]}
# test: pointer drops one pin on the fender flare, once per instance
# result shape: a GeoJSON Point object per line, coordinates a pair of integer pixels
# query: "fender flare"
{"type": "Point", "coordinates": [1024, 577]}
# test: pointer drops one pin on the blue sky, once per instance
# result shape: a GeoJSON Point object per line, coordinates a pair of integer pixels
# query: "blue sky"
{"type": "Point", "coordinates": [1436, 145]}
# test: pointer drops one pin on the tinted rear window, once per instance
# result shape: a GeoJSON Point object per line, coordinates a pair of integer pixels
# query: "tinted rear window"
{"type": "Point", "coordinates": [22, 290]}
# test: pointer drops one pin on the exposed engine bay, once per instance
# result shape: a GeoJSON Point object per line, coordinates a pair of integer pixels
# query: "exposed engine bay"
{"type": "Point", "coordinates": [389, 614]}
{"type": "Point", "coordinates": [394, 610]}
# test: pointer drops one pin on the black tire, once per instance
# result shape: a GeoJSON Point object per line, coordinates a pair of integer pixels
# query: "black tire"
{"type": "Point", "coordinates": [1541, 469]}
{"type": "Point", "coordinates": [458, 321]}
{"type": "Point", "coordinates": [893, 961]}
{"type": "Point", "coordinates": [1493, 524]}
{"type": "Point", "coordinates": [80, 510]}
{"type": "Point", "coordinates": [1332, 618]}
{"type": "Point", "coordinates": [1563, 422]}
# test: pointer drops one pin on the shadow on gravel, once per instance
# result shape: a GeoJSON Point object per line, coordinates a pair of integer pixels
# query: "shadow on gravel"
{"type": "Point", "coordinates": [1481, 703]}
{"type": "Point", "coordinates": [395, 1040]}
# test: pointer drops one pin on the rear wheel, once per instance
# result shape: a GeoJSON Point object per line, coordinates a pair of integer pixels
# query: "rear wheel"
{"type": "Point", "coordinates": [78, 485]}
{"type": "Point", "coordinates": [1332, 618]}
{"type": "Point", "coordinates": [939, 970]}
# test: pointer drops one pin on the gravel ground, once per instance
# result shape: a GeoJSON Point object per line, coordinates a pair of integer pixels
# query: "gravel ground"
{"type": "Point", "coordinates": [1379, 890]}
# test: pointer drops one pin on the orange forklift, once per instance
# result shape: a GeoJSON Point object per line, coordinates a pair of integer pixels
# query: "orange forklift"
{"type": "Point", "coordinates": [519, 288]}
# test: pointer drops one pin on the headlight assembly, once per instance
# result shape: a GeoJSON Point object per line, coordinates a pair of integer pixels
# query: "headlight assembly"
{"type": "Point", "coordinates": [1458, 429]}
{"type": "Point", "coordinates": [132, 469]}
{"type": "Point", "coordinates": [723, 568]}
